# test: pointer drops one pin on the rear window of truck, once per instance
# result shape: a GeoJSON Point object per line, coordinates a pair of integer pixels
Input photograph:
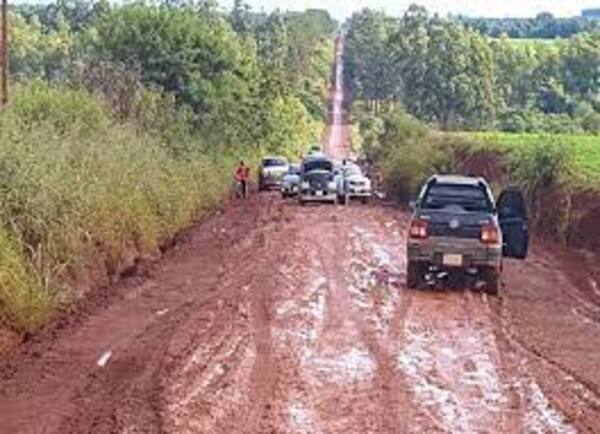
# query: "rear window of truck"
{"type": "Point", "coordinates": [472, 198]}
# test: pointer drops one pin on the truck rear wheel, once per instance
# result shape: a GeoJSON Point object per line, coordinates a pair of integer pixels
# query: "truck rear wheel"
{"type": "Point", "coordinates": [492, 281]}
{"type": "Point", "coordinates": [413, 275]}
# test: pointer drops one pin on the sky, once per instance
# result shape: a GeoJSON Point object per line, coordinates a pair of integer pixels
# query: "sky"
{"type": "Point", "coordinates": [341, 9]}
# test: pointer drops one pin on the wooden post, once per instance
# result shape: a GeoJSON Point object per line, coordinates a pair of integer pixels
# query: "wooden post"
{"type": "Point", "coordinates": [4, 54]}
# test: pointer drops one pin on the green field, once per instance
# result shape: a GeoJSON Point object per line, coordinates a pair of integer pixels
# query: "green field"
{"type": "Point", "coordinates": [584, 149]}
{"type": "Point", "coordinates": [531, 42]}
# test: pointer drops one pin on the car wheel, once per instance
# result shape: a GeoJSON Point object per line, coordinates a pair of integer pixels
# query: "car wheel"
{"type": "Point", "coordinates": [413, 275]}
{"type": "Point", "coordinates": [492, 282]}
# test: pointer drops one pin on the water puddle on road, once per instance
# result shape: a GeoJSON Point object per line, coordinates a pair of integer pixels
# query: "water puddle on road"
{"type": "Point", "coordinates": [326, 368]}
{"type": "Point", "coordinates": [453, 372]}
{"type": "Point", "coordinates": [375, 270]}
{"type": "Point", "coordinates": [541, 417]}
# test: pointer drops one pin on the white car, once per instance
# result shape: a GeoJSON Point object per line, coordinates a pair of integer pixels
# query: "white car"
{"type": "Point", "coordinates": [290, 183]}
{"type": "Point", "coordinates": [353, 184]}
{"type": "Point", "coordinates": [271, 172]}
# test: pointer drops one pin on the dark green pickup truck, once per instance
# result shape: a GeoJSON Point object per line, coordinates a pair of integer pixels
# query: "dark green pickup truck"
{"type": "Point", "coordinates": [456, 226]}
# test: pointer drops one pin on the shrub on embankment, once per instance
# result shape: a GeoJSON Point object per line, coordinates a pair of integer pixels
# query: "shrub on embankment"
{"type": "Point", "coordinates": [75, 187]}
{"type": "Point", "coordinates": [82, 194]}
{"type": "Point", "coordinates": [559, 174]}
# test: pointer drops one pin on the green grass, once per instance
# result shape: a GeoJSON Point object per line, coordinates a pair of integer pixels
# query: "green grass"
{"type": "Point", "coordinates": [584, 151]}
{"type": "Point", "coordinates": [76, 187]}
{"type": "Point", "coordinates": [80, 189]}
{"type": "Point", "coordinates": [531, 42]}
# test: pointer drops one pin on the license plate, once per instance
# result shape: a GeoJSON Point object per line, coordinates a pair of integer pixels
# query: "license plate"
{"type": "Point", "coordinates": [452, 260]}
{"type": "Point", "coordinates": [319, 193]}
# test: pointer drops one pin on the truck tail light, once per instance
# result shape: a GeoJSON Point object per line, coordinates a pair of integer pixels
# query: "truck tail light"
{"type": "Point", "coordinates": [490, 234]}
{"type": "Point", "coordinates": [419, 229]}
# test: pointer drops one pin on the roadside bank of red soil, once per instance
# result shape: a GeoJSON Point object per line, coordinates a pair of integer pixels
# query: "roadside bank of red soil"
{"type": "Point", "coordinates": [577, 215]}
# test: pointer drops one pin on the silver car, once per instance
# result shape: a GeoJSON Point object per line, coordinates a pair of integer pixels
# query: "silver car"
{"type": "Point", "coordinates": [353, 184]}
{"type": "Point", "coordinates": [271, 172]}
{"type": "Point", "coordinates": [290, 183]}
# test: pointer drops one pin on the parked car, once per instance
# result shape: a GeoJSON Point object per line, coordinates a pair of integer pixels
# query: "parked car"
{"type": "Point", "coordinates": [317, 183]}
{"type": "Point", "coordinates": [455, 227]}
{"type": "Point", "coordinates": [290, 183]}
{"type": "Point", "coordinates": [352, 184]}
{"type": "Point", "coordinates": [271, 172]}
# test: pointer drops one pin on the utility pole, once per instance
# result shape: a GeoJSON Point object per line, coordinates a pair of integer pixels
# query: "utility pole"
{"type": "Point", "coordinates": [4, 54]}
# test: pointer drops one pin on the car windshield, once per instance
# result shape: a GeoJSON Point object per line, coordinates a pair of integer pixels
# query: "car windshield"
{"type": "Point", "coordinates": [272, 162]}
{"type": "Point", "coordinates": [319, 164]}
{"type": "Point", "coordinates": [471, 198]}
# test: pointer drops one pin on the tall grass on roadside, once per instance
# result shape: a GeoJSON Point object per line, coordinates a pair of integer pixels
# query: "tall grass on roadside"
{"type": "Point", "coordinates": [75, 186]}
{"type": "Point", "coordinates": [24, 301]}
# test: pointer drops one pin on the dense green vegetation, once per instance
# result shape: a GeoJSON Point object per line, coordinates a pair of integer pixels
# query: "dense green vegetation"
{"type": "Point", "coordinates": [125, 123]}
{"type": "Point", "coordinates": [445, 73]}
{"type": "Point", "coordinates": [583, 151]}
{"type": "Point", "coordinates": [544, 26]}
{"type": "Point", "coordinates": [550, 169]}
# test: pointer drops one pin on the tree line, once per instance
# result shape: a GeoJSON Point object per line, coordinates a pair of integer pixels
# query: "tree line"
{"type": "Point", "coordinates": [449, 74]}
{"type": "Point", "coordinates": [125, 124]}
{"type": "Point", "coordinates": [246, 78]}
{"type": "Point", "coordinates": [544, 25]}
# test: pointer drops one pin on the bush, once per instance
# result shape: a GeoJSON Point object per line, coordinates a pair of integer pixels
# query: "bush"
{"type": "Point", "coordinates": [591, 122]}
{"type": "Point", "coordinates": [24, 301]}
{"type": "Point", "coordinates": [75, 187]}
{"type": "Point", "coordinates": [541, 170]}
{"type": "Point", "coordinates": [405, 151]}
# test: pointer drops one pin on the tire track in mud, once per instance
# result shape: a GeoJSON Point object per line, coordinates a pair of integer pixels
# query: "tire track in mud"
{"type": "Point", "coordinates": [223, 381]}
{"type": "Point", "coordinates": [387, 416]}
{"type": "Point", "coordinates": [447, 349]}
{"type": "Point", "coordinates": [553, 398]}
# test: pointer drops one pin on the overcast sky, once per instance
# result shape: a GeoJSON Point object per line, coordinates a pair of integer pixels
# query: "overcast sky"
{"type": "Point", "coordinates": [490, 8]}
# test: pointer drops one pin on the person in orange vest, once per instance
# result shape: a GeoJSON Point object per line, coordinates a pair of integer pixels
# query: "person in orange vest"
{"type": "Point", "coordinates": [242, 176]}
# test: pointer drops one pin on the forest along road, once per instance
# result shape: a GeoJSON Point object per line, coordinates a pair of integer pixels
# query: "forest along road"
{"type": "Point", "coordinates": [271, 317]}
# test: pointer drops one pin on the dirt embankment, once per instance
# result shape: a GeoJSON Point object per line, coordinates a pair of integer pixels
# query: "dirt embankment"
{"type": "Point", "coordinates": [569, 217]}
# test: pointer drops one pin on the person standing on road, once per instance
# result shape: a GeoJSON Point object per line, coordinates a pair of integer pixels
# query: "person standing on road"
{"type": "Point", "coordinates": [242, 176]}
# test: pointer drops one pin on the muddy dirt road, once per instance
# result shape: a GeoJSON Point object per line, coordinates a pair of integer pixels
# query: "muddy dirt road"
{"type": "Point", "coordinates": [269, 317]}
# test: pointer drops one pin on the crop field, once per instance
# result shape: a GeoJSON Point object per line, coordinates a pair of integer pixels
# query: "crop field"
{"type": "Point", "coordinates": [584, 151]}
{"type": "Point", "coordinates": [531, 42]}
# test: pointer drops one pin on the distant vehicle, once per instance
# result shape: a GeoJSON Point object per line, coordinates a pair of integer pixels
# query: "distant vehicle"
{"type": "Point", "coordinates": [271, 172]}
{"type": "Point", "coordinates": [456, 227]}
{"type": "Point", "coordinates": [352, 184]}
{"type": "Point", "coordinates": [317, 183]}
{"type": "Point", "coordinates": [315, 149]}
{"type": "Point", "coordinates": [290, 183]}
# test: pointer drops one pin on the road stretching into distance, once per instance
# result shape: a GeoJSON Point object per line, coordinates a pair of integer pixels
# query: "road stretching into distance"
{"type": "Point", "coordinates": [268, 317]}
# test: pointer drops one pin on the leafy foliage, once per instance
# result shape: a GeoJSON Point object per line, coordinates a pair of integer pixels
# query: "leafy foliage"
{"type": "Point", "coordinates": [126, 123]}
{"type": "Point", "coordinates": [443, 72]}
